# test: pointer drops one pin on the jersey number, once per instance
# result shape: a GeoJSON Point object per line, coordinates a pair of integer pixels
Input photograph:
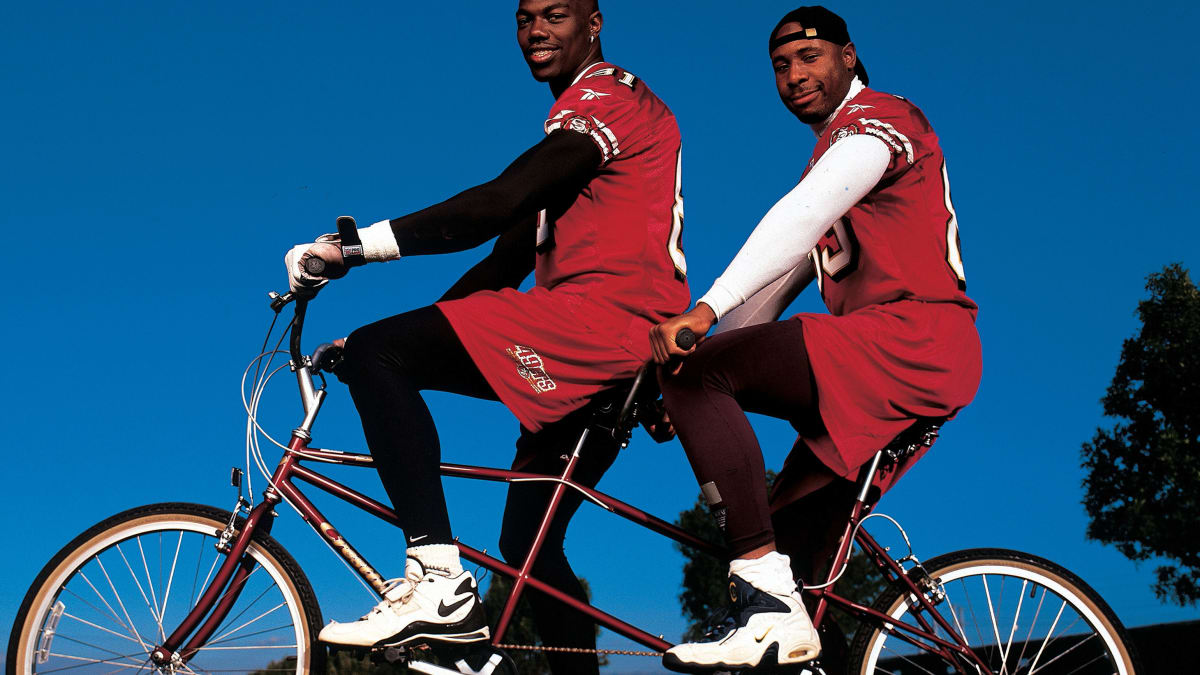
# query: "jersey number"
{"type": "Point", "coordinates": [838, 259]}
{"type": "Point", "coordinates": [675, 241]}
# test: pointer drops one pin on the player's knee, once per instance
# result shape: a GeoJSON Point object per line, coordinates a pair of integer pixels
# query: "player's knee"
{"type": "Point", "coordinates": [361, 355]}
{"type": "Point", "coordinates": [697, 374]}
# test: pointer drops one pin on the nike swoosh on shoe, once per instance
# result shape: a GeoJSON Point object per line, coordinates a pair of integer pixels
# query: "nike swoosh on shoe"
{"type": "Point", "coordinates": [465, 587]}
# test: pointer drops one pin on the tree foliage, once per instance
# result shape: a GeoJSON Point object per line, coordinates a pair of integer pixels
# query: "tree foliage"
{"type": "Point", "coordinates": [1142, 490]}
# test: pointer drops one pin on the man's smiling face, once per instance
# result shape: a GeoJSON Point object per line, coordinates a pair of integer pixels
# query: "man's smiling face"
{"type": "Point", "coordinates": [554, 36]}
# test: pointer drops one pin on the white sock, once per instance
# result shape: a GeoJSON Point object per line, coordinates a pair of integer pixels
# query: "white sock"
{"type": "Point", "coordinates": [771, 573]}
{"type": "Point", "coordinates": [440, 557]}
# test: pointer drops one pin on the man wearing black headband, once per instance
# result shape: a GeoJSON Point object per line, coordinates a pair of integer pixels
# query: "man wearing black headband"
{"type": "Point", "coordinates": [871, 220]}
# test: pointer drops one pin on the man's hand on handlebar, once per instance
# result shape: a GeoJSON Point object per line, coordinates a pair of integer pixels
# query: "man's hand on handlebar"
{"type": "Point", "coordinates": [665, 338]}
{"type": "Point", "coordinates": [311, 266]}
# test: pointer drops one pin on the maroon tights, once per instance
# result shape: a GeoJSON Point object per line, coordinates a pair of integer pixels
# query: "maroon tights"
{"type": "Point", "coordinates": [760, 369]}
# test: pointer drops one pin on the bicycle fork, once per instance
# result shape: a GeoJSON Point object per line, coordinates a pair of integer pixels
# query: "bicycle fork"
{"type": "Point", "coordinates": [227, 583]}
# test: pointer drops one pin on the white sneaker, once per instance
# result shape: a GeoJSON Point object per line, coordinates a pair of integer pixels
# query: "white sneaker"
{"type": "Point", "coordinates": [759, 628]}
{"type": "Point", "coordinates": [425, 605]}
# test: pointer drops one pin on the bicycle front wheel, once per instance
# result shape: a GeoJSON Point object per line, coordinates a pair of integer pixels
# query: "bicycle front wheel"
{"type": "Point", "coordinates": [1022, 614]}
{"type": "Point", "coordinates": [115, 592]}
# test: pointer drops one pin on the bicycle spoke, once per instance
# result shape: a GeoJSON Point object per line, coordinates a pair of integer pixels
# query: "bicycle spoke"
{"type": "Point", "coordinates": [150, 583]}
{"type": "Point", "coordinates": [240, 648]}
{"type": "Point", "coordinates": [133, 576]}
{"type": "Point", "coordinates": [1046, 640]}
{"type": "Point", "coordinates": [88, 662]}
{"type": "Point", "coordinates": [971, 606]}
{"type": "Point", "coordinates": [907, 660]}
{"type": "Point", "coordinates": [98, 627]}
{"type": "Point", "coordinates": [116, 618]}
{"type": "Point", "coordinates": [1013, 631]}
{"type": "Point", "coordinates": [228, 633]}
{"type": "Point", "coordinates": [957, 624]}
{"type": "Point", "coordinates": [196, 574]}
{"type": "Point", "coordinates": [254, 634]}
{"type": "Point", "coordinates": [1077, 645]}
{"type": "Point", "coordinates": [117, 655]}
{"type": "Point", "coordinates": [1029, 636]}
{"type": "Point", "coordinates": [245, 609]}
{"type": "Point", "coordinates": [992, 614]}
{"type": "Point", "coordinates": [170, 581]}
{"type": "Point", "coordinates": [211, 568]}
{"type": "Point", "coordinates": [121, 604]}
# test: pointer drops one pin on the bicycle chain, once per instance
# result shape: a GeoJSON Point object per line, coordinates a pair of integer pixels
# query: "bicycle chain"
{"type": "Point", "coordinates": [579, 650]}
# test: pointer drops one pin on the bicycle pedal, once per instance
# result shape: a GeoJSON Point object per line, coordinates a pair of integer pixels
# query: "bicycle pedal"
{"type": "Point", "coordinates": [463, 660]}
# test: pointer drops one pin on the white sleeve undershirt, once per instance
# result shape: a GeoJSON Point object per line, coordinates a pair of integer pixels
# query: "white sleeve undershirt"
{"type": "Point", "coordinates": [782, 239]}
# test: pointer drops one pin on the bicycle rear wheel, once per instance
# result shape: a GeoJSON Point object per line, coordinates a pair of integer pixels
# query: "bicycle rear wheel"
{"type": "Point", "coordinates": [1021, 613]}
{"type": "Point", "coordinates": [107, 598]}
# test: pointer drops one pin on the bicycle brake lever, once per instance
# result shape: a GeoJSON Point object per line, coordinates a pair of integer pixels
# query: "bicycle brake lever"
{"type": "Point", "coordinates": [278, 302]}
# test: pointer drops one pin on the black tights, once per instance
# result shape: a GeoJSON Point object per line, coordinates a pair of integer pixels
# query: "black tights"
{"type": "Point", "coordinates": [386, 366]}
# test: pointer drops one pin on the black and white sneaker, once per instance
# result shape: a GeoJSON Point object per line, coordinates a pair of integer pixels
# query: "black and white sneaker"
{"type": "Point", "coordinates": [424, 606]}
{"type": "Point", "coordinates": [759, 629]}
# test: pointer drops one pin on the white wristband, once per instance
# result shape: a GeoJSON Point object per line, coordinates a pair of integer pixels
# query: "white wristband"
{"type": "Point", "coordinates": [379, 242]}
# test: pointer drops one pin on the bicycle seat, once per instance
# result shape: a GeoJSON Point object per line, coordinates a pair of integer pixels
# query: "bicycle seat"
{"type": "Point", "coordinates": [618, 408]}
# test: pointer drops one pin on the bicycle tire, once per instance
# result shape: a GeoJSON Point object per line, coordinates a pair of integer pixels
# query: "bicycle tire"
{"type": "Point", "coordinates": [1082, 634]}
{"type": "Point", "coordinates": [101, 596]}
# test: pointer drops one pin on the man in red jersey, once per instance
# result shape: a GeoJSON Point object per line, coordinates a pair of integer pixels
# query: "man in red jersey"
{"type": "Point", "coordinates": [871, 220]}
{"type": "Point", "coordinates": [595, 210]}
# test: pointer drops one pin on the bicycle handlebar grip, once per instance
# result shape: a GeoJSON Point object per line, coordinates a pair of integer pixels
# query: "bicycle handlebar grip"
{"type": "Point", "coordinates": [314, 266]}
{"type": "Point", "coordinates": [685, 338]}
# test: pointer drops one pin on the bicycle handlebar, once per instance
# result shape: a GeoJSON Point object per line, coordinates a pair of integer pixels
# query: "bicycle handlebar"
{"type": "Point", "coordinates": [314, 266]}
{"type": "Point", "coordinates": [685, 339]}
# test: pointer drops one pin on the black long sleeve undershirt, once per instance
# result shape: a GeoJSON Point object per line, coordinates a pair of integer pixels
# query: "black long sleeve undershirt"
{"type": "Point", "coordinates": [511, 260]}
{"type": "Point", "coordinates": [561, 164]}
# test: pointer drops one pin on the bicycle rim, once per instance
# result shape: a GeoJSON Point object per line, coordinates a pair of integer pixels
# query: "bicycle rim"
{"type": "Point", "coordinates": [1023, 615]}
{"type": "Point", "coordinates": [119, 589]}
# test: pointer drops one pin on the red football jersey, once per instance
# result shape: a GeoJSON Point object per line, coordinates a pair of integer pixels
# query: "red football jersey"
{"type": "Point", "coordinates": [609, 260]}
{"type": "Point", "coordinates": [901, 241]}
{"type": "Point", "coordinates": [900, 339]}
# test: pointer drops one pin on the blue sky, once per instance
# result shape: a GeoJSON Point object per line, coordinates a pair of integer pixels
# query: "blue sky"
{"type": "Point", "coordinates": [160, 158]}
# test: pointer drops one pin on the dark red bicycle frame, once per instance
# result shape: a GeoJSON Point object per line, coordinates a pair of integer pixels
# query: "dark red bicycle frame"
{"type": "Point", "coordinates": [226, 585]}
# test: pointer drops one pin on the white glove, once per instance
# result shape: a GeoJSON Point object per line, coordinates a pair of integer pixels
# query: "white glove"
{"type": "Point", "coordinates": [301, 283]}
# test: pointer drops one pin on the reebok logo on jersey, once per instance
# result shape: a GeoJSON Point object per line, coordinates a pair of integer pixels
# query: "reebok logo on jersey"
{"type": "Point", "coordinates": [858, 107]}
{"type": "Point", "coordinates": [592, 94]}
{"type": "Point", "coordinates": [531, 368]}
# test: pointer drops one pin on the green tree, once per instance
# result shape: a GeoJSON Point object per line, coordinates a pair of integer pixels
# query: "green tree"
{"type": "Point", "coordinates": [1142, 490]}
{"type": "Point", "coordinates": [705, 579]}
